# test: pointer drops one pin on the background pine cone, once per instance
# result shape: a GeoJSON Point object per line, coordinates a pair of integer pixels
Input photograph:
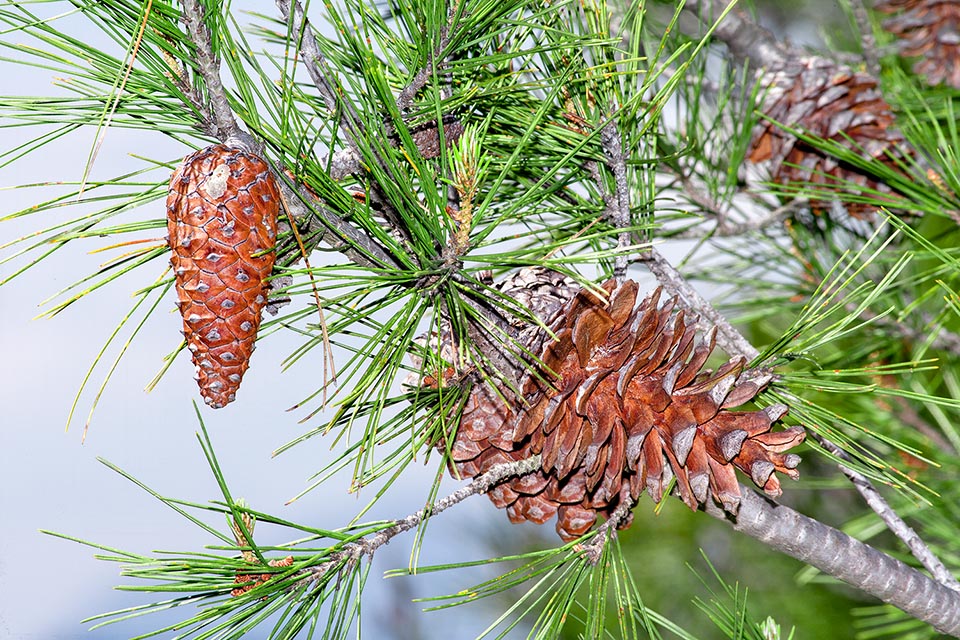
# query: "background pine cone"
{"type": "Point", "coordinates": [930, 31]}
{"type": "Point", "coordinates": [221, 221]}
{"type": "Point", "coordinates": [830, 101]}
{"type": "Point", "coordinates": [620, 406]}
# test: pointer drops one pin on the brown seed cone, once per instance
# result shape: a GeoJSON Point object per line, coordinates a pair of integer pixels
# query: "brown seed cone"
{"type": "Point", "coordinates": [621, 406]}
{"type": "Point", "coordinates": [427, 136]}
{"type": "Point", "coordinates": [829, 101]}
{"type": "Point", "coordinates": [249, 581]}
{"type": "Point", "coordinates": [222, 219]}
{"type": "Point", "coordinates": [928, 30]}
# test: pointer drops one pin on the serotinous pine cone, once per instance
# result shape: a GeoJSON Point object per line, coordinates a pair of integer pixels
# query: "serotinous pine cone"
{"type": "Point", "coordinates": [829, 101]}
{"type": "Point", "coordinates": [222, 223]}
{"type": "Point", "coordinates": [620, 404]}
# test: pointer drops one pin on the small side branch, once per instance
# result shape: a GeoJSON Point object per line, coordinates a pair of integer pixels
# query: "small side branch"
{"type": "Point", "coordinates": [368, 546]}
{"type": "Point", "coordinates": [845, 558]}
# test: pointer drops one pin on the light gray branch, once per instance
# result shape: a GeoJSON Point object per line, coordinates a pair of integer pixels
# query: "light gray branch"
{"type": "Point", "coordinates": [353, 551]}
{"type": "Point", "coordinates": [620, 201]}
{"type": "Point", "coordinates": [737, 345]}
{"type": "Point", "coordinates": [837, 554]}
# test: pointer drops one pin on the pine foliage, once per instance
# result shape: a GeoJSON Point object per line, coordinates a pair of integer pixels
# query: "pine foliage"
{"type": "Point", "coordinates": [470, 193]}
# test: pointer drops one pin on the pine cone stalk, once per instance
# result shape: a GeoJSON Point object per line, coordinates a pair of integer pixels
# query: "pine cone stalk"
{"type": "Point", "coordinates": [221, 220]}
{"type": "Point", "coordinates": [620, 405]}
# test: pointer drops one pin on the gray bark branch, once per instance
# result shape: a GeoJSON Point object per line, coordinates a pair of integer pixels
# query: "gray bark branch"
{"type": "Point", "coordinates": [837, 554]}
{"type": "Point", "coordinates": [737, 345]}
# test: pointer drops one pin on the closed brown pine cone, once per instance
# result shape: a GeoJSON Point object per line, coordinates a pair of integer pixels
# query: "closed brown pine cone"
{"type": "Point", "coordinates": [830, 101]}
{"type": "Point", "coordinates": [928, 30]}
{"type": "Point", "coordinates": [620, 406]}
{"type": "Point", "coordinates": [221, 220]}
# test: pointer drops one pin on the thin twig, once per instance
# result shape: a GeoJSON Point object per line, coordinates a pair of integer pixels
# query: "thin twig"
{"type": "Point", "coordinates": [620, 214]}
{"type": "Point", "coordinates": [868, 43]}
{"type": "Point", "coordinates": [845, 558]}
{"type": "Point", "coordinates": [223, 125]}
{"type": "Point", "coordinates": [368, 546]}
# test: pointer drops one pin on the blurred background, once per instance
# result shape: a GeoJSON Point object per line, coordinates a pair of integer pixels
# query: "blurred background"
{"type": "Point", "coordinates": [51, 479]}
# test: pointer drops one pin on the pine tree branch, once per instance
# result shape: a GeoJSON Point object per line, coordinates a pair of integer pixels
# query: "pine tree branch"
{"type": "Point", "coordinates": [774, 217]}
{"type": "Point", "coordinates": [353, 551]}
{"type": "Point", "coordinates": [900, 528]}
{"type": "Point", "coordinates": [672, 280]}
{"type": "Point", "coordinates": [837, 554]}
{"type": "Point", "coordinates": [868, 43]}
{"type": "Point", "coordinates": [334, 231]}
{"type": "Point", "coordinates": [222, 123]}
{"type": "Point", "coordinates": [619, 202]}
{"type": "Point", "coordinates": [746, 39]}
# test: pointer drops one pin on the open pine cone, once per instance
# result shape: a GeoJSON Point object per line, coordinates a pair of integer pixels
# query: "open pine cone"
{"type": "Point", "coordinates": [833, 102]}
{"type": "Point", "coordinates": [620, 405]}
{"type": "Point", "coordinates": [928, 30]}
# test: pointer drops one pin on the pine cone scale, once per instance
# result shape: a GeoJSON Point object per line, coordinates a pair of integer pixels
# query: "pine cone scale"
{"type": "Point", "coordinates": [628, 409]}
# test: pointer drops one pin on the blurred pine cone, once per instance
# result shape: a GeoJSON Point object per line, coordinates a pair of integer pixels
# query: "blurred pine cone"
{"type": "Point", "coordinates": [620, 405]}
{"type": "Point", "coordinates": [928, 30]}
{"type": "Point", "coordinates": [221, 223]}
{"type": "Point", "coordinates": [830, 101]}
